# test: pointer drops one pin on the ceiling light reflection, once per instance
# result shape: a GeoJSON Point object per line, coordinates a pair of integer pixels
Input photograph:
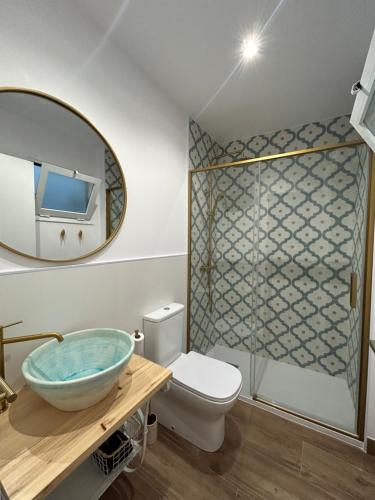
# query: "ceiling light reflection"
{"type": "Point", "coordinates": [250, 47]}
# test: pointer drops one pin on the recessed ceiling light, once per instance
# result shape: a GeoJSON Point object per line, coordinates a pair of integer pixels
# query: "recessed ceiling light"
{"type": "Point", "coordinates": [250, 47]}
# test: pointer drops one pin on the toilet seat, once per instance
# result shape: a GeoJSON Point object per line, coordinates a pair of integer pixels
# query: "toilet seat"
{"type": "Point", "coordinates": [207, 377]}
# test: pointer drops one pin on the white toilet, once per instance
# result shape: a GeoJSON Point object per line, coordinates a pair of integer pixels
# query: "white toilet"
{"type": "Point", "coordinates": [202, 389]}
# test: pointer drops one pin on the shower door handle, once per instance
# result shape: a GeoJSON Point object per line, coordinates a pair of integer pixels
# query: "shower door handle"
{"type": "Point", "coordinates": [353, 290]}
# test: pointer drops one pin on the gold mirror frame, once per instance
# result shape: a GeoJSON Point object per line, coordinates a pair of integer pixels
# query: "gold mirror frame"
{"type": "Point", "coordinates": [77, 113]}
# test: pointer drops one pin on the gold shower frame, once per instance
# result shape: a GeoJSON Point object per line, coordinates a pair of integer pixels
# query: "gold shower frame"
{"type": "Point", "coordinates": [366, 305]}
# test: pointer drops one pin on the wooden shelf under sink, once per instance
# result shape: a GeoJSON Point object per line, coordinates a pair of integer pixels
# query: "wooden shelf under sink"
{"type": "Point", "coordinates": [41, 446]}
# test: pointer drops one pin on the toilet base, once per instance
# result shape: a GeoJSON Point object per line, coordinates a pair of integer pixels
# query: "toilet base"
{"type": "Point", "coordinates": [197, 420]}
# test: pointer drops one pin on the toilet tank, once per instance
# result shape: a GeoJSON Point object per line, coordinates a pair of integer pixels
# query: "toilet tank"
{"type": "Point", "coordinates": [164, 333]}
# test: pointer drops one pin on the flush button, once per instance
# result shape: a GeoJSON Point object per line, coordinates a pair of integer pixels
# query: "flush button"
{"type": "Point", "coordinates": [166, 308]}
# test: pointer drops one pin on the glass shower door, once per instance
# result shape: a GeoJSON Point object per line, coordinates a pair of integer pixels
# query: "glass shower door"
{"type": "Point", "coordinates": [234, 218]}
{"type": "Point", "coordinates": [311, 269]}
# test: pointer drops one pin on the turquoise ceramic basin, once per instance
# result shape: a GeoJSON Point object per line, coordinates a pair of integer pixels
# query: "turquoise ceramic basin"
{"type": "Point", "coordinates": [80, 371]}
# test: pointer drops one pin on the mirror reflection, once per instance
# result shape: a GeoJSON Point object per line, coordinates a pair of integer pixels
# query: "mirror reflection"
{"type": "Point", "coordinates": [62, 191]}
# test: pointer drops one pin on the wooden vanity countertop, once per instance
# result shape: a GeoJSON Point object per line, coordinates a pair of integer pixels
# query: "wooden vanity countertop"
{"type": "Point", "coordinates": [40, 445]}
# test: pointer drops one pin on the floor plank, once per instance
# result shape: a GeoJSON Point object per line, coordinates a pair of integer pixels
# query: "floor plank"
{"type": "Point", "coordinates": [339, 449]}
{"type": "Point", "coordinates": [276, 437]}
{"type": "Point", "coordinates": [263, 457]}
{"type": "Point", "coordinates": [342, 479]}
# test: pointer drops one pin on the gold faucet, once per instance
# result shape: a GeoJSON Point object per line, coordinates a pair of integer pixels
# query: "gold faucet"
{"type": "Point", "coordinates": [7, 394]}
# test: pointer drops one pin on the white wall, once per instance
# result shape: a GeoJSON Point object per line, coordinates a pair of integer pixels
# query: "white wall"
{"type": "Point", "coordinates": [17, 204]}
{"type": "Point", "coordinates": [65, 300]}
{"type": "Point", "coordinates": [49, 46]}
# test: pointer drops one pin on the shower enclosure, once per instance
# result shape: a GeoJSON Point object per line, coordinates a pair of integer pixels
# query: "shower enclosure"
{"type": "Point", "coordinates": [280, 255]}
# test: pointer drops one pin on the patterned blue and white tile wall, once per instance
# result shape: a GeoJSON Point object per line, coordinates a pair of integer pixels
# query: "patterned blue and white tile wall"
{"type": "Point", "coordinates": [330, 131]}
{"type": "Point", "coordinates": [284, 248]}
{"type": "Point", "coordinates": [203, 150]}
{"type": "Point", "coordinates": [113, 181]}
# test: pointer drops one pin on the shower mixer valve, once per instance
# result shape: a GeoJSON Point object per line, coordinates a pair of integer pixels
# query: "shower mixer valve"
{"type": "Point", "coordinates": [206, 268]}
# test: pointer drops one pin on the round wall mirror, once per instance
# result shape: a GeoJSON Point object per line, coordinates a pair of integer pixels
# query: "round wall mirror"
{"type": "Point", "coordinates": [62, 190]}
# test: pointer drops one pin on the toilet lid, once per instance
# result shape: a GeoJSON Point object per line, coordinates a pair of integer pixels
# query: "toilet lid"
{"type": "Point", "coordinates": [207, 377]}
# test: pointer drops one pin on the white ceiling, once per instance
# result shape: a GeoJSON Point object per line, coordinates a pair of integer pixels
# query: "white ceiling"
{"type": "Point", "coordinates": [313, 50]}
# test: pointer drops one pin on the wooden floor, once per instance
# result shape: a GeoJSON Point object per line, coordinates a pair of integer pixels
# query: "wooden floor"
{"type": "Point", "coordinates": [263, 457]}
